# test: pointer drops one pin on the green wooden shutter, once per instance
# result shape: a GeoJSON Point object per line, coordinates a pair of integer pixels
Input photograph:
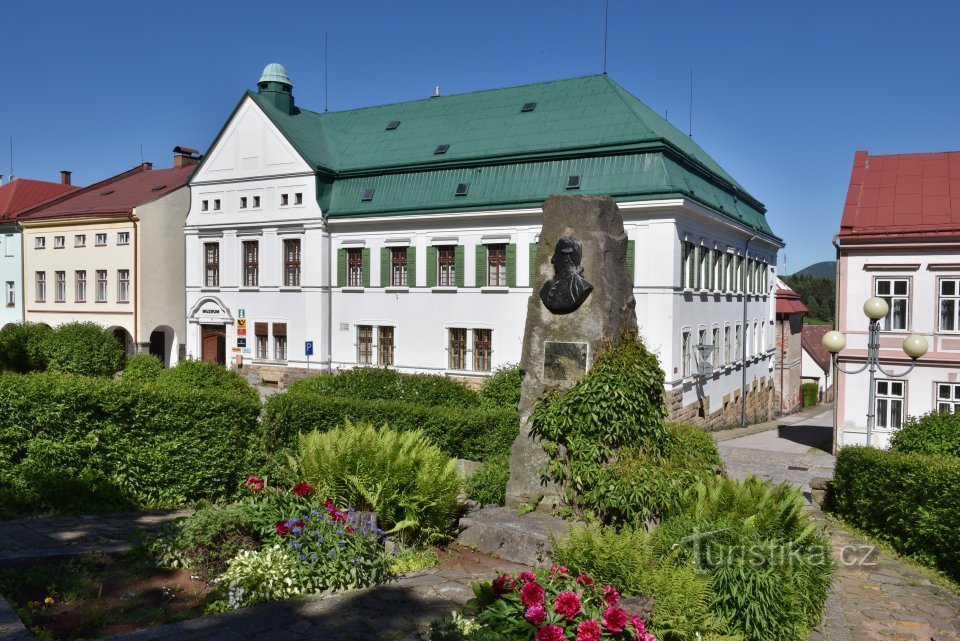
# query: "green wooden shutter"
{"type": "Point", "coordinates": [384, 267]}
{"type": "Point", "coordinates": [411, 266]}
{"type": "Point", "coordinates": [458, 265]}
{"type": "Point", "coordinates": [631, 260]}
{"type": "Point", "coordinates": [341, 267]}
{"type": "Point", "coordinates": [533, 264]}
{"type": "Point", "coordinates": [481, 280]}
{"type": "Point", "coordinates": [511, 265]}
{"type": "Point", "coordinates": [431, 266]}
{"type": "Point", "coordinates": [365, 267]}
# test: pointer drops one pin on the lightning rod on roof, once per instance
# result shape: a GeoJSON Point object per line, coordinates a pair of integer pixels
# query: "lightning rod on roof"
{"type": "Point", "coordinates": [690, 130]}
{"type": "Point", "coordinates": [606, 28]}
{"type": "Point", "coordinates": [326, 58]}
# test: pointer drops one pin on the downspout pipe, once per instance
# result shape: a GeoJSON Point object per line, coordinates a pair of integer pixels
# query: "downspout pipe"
{"type": "Point", "coordinates": [834, 362]}
{"type": "Point", "coordinates": [743, 335]}
{"type": "Point", "coordinates": [328, 312]}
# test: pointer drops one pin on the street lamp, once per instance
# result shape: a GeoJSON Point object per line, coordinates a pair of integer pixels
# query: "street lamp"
{"type": "Point", "coordinates": [914, 346]}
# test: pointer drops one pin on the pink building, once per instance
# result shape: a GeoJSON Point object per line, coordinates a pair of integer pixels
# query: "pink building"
{"type": "Point", "coordinates": [900, 240]}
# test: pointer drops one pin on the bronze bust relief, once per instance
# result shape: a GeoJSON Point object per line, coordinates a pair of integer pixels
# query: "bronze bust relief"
{"type": "Point", "coordinates": [567, 290]}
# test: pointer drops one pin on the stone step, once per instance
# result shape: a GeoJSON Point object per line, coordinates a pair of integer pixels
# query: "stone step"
{"type": "Point", "coordinates": [500, 531]}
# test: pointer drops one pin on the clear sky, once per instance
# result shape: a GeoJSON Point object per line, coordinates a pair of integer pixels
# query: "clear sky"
{"type": "Point", "coordinates": [783, 94]}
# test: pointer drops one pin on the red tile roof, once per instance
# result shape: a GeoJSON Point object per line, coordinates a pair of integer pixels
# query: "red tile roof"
{"type": "Point", "coordinates": [811, 339]}
{"type": "Point", "coordinates": [117, 195]}
{"type": "Point", "coordinates": [22, 194]}
{"type": "Point", "coordinates": [789, 302]}
{"type": "Point", "coordinates": [903, 195]}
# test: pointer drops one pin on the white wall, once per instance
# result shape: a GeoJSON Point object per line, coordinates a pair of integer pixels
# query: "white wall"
{"type": "Point", "coordinates": [10, 272]}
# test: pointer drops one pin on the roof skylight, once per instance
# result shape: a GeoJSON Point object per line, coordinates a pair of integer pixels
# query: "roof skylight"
{"type": "Point", "coordinates": [528, 106]}
{"type": "Point", "coordinates": [462, 189]}
{"type": "Point", "coordinates": [367, 194]}
{"type": "Point", "coordinates": [573, 182]}
{"type": "Point", "coordinates": [393, 124]}
{"type": "Point", "coordinates": [441, 149]}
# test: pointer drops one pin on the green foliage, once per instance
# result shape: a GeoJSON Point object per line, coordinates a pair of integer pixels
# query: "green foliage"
{"type": "Point", "coordinates": [770, 566]}
{"type": "Point", "coordinates": [682, 597]}
{"type": "Point", "coordinates": [207, 540]}
{"type": "Point", "coordinates": [503, 388]}
{"type": "Point", "coordinates": [142, 368]}
{"type": "Point", "coordinates": [642, 485]}
{"type": "Point", "coordinates": [255, 577]}
{"type": "Point", "coordinates": [470, 433]}
{"type": "Point", "coordinates": [203, 375]}
{"type": "Point", "coordinates": [459, 628]}
{"type": "Point", "coordinates": [811, 394]}
{"type": "Point", "coordinates": [818, 294]}
{"type": "Point", "coordinates": [21, 347]}
{"type": "Point", "coordinates": [489, 483]}
{"type": "Point", "coordinates": [79, 444]}
{"type": "Point", "coordinates": [619, 403]}
{"type": "Point", "coordinates": [383, 384]}
{"type": "Point", "coordinates": [911, 500]}
{"type": "Point", "coordinates": [83, 348]}
{"type": "Point", "coordinates": [932, 433]}
{"type": "Point", "coordinates": [402, 476]}
{"type": "Point", "coordinates": [410, 560]}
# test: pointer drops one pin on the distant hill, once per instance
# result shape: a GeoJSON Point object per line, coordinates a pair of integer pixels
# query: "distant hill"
{"type": "Point", "coordinates": [827, 269]}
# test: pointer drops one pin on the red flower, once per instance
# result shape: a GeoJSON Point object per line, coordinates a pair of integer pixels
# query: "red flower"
{"type": "Point", "coordinates": [254, 483]}
{"type": "Point", "coordinates": [527, 577]}
{"type": "Point", "coordinates": [531, 594]}
{"type": "Point", "coordinates": [335, 515]}
{"type": "Point", "coordinates": [614, 619]}
{"type": "Point", "coordinates": [610, 595]}
{"type": "Point", "coordinates": [584, 580]}
{"type": "Point", "coordinates": [282, 528]}
{"type": "Point", "coordinates": [589, 630]}
{"type": "Point", "coordinates": [302, 489]}
{"type": "Point", "coordinates": [558, 569]}
{"type": "Point", "coordinates": [503, 584]}
{"type": "Point", "coordinates": [639, 626]}
{"type": "Point", "coordinates": [567, 605]}
{"type": "Point", "coordinates": [535, 614]}
{"type": "Point", "coordinates": [550, 633]}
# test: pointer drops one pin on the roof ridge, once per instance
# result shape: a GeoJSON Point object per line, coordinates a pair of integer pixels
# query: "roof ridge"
{"type": "Point", "coordinates": [84, 190]}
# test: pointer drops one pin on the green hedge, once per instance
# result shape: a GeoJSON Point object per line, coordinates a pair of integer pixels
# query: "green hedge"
{"type": "Point", "coordinates": [932, 433]}
{"type": "Point", "coordinates": [382, 384]}
{"type": "Point", "coordinates": [910, 500]}
{"type": "Point", "coordinates": [811, 394]}
{"type": "Point", "coordinates": [470, 433]}
{"type": "Point", "coordinates": [83, 348]}
{"type": "Point", "coordinates": [72, 443]}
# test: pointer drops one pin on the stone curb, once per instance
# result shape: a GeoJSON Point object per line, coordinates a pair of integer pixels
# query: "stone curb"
{"type": "Point", "coordinates": [11, 627]}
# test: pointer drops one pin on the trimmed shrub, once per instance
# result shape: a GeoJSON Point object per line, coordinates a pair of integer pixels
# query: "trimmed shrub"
{"type": "Point", "coordinates": [811, 394]}
{"type": "Point", "coordinates": [21, 347]}
{"type": "Point", "coordinates": [932, 433]}
{"type": "Point", "coordinates": [470, 433]}
{"type": "Point", "coordinates": [142, 368]}
{"type": "Point", "coordinates": [83, 348]}
{"type": "Point", "coordinates": [911, 500]}
{"type": "Point", "coordinates": [204, 375]}
{"type": "Point", "coordinates": [503, 388]}
{"type": "Point", "coordinates": [489, 483]}
{"type": "Point", "coordinates": [403, 477]}
{"type": "Point", "coordinates": [382, 384]}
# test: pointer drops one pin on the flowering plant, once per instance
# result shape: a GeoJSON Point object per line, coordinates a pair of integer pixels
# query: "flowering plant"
{"type": "Point", "coordinates": [555, 606]}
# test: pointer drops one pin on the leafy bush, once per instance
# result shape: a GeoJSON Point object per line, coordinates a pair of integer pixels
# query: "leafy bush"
{"type": "Point", "coordinates": [503, 388]}
{"type": "Point", "coordinates": [681, 596]}
{"type": "Point", "coordinates": [470, 433]}
{"type": "Point", "coordinates": [911, 500]}
{"type": "Point", "coordinates": [83, 348]}
{"type": "Point", "coordinates": [642, 486]}
{"type": "Point", "coordinates": [382, 384]}
{"type": "Point", "coordinates": [770, 566]}
{"type": "Point", "coordinates": [255, 577]}
{"type": "Point", "coordinates": [932, 433]}
{"type": "Point", "coordinates": [811, 394]}
{"type": "Point", "coordinates": [203, 375]}
{"type": "Point", "coordinates": [21, 347]}
{"type": "Point", "coordinates": [142, 368]}
{"type": "Point", "coordinates": [207, 540]}
{"type": "Point", "coordinates": [619, 403]}
{"type": "Point", "coordinates": [402, 476]}
{"type": "Point", "coordinates": [72, 443]}
{"type": "Point", "coordinates": [489, 483]}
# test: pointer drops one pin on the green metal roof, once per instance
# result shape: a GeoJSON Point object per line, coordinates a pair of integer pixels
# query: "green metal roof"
{"type": "Point", "coordinates": [589, 126]}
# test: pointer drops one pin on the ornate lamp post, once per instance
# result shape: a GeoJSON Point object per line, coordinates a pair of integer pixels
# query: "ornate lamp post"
{"type": "Point", "coordinates": [914, 346]}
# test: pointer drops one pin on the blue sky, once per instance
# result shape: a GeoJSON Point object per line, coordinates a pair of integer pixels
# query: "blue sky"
{"type": "Point", "coordinates": [784, 93]}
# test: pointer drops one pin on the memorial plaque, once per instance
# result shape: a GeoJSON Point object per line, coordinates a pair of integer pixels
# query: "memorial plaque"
{"type": "Point", "coordinates": [564, 361]}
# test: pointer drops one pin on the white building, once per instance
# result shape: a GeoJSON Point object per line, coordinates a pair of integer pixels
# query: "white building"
{"type": "Point", "coordinates": [402, 235]}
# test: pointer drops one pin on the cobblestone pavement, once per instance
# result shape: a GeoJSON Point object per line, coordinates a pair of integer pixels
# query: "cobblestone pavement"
{"type": "Point", "coordinates": [875, 597]}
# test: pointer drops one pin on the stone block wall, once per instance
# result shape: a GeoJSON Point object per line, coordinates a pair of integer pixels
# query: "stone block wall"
{"type": "Point", "coordinates": [276, 375]}
{"type": "Point", "coordinates": [761, 405]}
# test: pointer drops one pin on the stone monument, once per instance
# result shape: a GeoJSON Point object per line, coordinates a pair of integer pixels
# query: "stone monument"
{"type": "Point", "coordinates": [582, 297]}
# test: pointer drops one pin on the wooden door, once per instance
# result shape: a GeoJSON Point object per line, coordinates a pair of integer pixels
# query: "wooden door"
{"type": "Point", "coordinates": [213, 344]}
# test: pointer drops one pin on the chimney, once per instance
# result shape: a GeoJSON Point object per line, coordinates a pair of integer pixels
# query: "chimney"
{"type": "Point", "coordinates": [1, 179]}
{"type": "Point", "coordinates": [146, 166]}
{"type": "Point", "coordinates": [64, 177]}
{"type": "Point", "coordinates": [185, 157]}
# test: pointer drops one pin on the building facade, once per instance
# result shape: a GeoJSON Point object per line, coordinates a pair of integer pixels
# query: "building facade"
{"type": "Point", "coordinates": [816, 364]}
{"type": "Point", "coordinates": [403, 236]}
{"type": "Point", "coordinates": [899, 240]}
{"type": "Point", "coordinates": [112, 254]}
{"type": "Point", "coordinates": [789, 354]}
{"type": "Point", "coordinates": [17, 196]}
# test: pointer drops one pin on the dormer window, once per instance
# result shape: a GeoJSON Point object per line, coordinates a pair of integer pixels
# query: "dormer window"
{"type": "Point", "coordinates": [462, 189]}
{"type": "Point", "coordinates": [256, 202]}
{"type": "Point", "coordinates": [573, 182]}
{"type": "Point", "coordinates": [243, 202]}
{"type": "Point", "coordinates": [216, 204]}
{"type": "Point", "coordinates": [284, 200]}
{"type": "Point", "coordinates": [204, 205]}
{"type": "Point", "coordinates": [298, 198]}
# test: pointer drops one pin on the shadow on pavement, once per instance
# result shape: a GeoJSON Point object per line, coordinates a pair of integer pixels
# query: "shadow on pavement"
{"type": "Point", "coordinates": [819, 436]}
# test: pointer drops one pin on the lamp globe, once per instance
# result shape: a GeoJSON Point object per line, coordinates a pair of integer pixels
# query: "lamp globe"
{"type": "Point", "coordinates": [875, 308]}
{"type": "Point", "coordinates": [834, 341]}
{"type": "Point", "coordinates": [915, 346]}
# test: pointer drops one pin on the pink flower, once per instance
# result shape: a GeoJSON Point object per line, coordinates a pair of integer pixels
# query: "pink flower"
{"type": "Point", "coordinates": [531, 594]}
{"type": "Point", "coordinates": [503, 584]}
{"type": "Point", "coordinates": [255, 483]}
{"type": "Point", "coordinates": [558, 569]}
{"type": "Point", "coordinates": [610, 595]}
{"type": "Point", "coordinates": [527, 577]}
{"type": "Point", "coordinates": [614, 619]}
{"type": "Point", "coordinates": [584, 580]}
{"type": "Point", "coordinates": [589, 630]}
{"type": "Point", "coordinates": [639, 626]}
{"type": "Point", "coordinates": [567, 605]}
{"type": "Point", "coordinates": [535, 614]}
{"type": "Point", "coordinates": [302, 489]}
{"type": "Point", "coordinates": [550, 633]}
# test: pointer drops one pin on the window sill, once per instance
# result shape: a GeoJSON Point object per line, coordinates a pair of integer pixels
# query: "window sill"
{"type": "Point", "coordinates": [494, 290]}
{"type": "Point", "coordinates": [352, 290]}
{"type": "Point", "coordinates": [468, 372]}
{"type": "Point", "coordinates": [290, 288]}
{"type": "Point", "coordinates": [444, 289]}
{"type": "Point", "coordinates": [396, 290]}
{"type": "Point", "coordinates": [209, 289]}
{"type": "Point", "coordinates": [249, 289]}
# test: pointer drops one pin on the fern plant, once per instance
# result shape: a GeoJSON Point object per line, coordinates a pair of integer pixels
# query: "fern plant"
{"type": "Point", "coordinates": [402, 476]}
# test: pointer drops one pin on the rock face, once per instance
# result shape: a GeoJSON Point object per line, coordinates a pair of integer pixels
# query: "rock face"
{"type": "Point", "coordinates": [581, 274]}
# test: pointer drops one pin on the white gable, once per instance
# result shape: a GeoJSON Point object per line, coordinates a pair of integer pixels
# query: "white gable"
{"type": "Point", "coordinates": [250, 146]}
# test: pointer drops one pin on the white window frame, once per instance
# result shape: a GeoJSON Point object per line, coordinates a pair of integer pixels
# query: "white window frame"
{"type": "Point", "coordinates": [715, 356]}
{"type": "Point", "coordinates": [79, 240]}
{"type": "Point", "coordinates": [887, 418]}
{"type": "Point", "coordinates": [59, 242]}
{"type": "Point", "coordinates": [8, 246]}
{"type": "Point", "coordinates": [123, 285]}
{"type": "Point", "coordinates": [40, 242]}
{"type": "Point", "coordinates": [892, 299]}
{"type": "Point", "coordinates": [947, 397]}
{"type": "Point", "coordinates": [727, 344]}
{"type": "Point", "coordinates": [686, 351]}
{"type": "Point", "coordinates": [80, 285]}
{"type": "Point", "coordinates": [11, 293]}
{"type": "Point", "coordinates": [102, 287]}
{"type": "Point", "coordinates": [123, 238]}
{"type": "Point", "coordinates": [954, 303]}
{"type": "Point", "coordinates": [96, 239]}
{"type": "Point", "coordinates": [40, 286]}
